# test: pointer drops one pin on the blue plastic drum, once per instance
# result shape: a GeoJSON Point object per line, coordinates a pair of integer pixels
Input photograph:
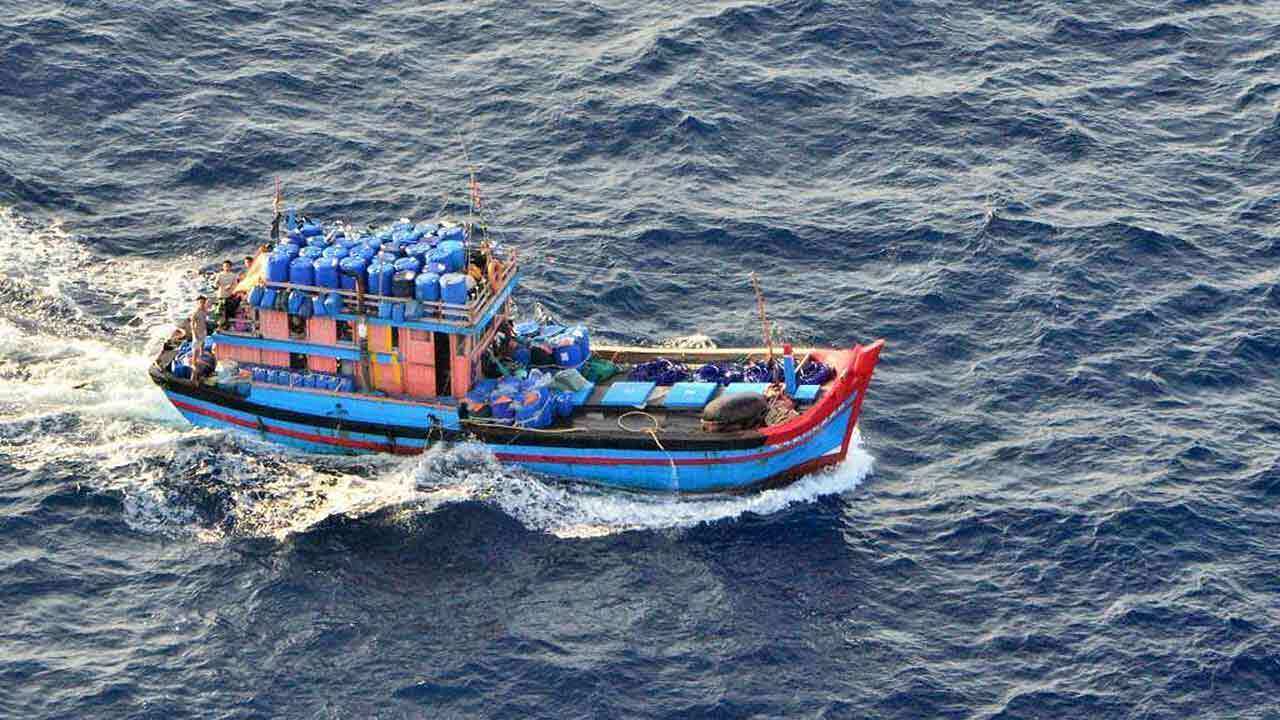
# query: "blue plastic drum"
{"type": "Point", "coordinates": [278, 267]}
{"type": "Point", "coordinates": [457, 255]}
{"type": "Point", "coordinates": [427, 287]}
{"type": "Point", "coordinates": [327, 272]}
{"type": "Point", "coordinates": [302, 271]}
{"type": "Point", "coordinates": [453, 288]}
{"type": "Point", "coordinates": [351, 269]}
{"type": "Point", "coordinates": [409, 263]}
{"type": "Point", "coordinates": [380, 276]}
{"type": "Point", "coordinates": [403, 284]}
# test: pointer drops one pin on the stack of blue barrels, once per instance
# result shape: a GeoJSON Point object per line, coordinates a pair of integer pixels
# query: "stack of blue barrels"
{"type": "Point", "coordinates": [425, 262]}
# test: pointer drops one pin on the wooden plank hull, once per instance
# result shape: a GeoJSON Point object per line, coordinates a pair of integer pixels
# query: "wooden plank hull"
{"type": "Point", "coordinates": [323, 421]}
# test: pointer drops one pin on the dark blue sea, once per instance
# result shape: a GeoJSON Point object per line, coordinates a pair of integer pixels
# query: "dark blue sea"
{"type": "Point", "coordinates": [1062, 217]}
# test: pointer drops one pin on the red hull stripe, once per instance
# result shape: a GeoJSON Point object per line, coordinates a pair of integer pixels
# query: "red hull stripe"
{"type": "Point", "coordinates": [506, 457]}
{"type": "Point", "coordinates": [297, 434]}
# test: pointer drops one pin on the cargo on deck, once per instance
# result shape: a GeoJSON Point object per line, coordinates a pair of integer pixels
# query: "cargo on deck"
{"type": "Point", "coordinates": [395, 339]}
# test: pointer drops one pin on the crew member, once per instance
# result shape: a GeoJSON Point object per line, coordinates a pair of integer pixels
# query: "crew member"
{"type": "Point", "coordinates": [197, 329]}
{"type": "Point", "coordinates": [228, 302]}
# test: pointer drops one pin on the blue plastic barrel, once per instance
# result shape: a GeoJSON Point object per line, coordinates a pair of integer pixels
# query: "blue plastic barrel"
{"type": "Point", "coordinates": [255, 296]}
{"type": "Point", "coordinates": [393, 247]}
{"type": "Point", "coordinates": [290, 249]}
{"type": "Point", "coordinates": [380, 275]}
{"type": "Point", "coordinates": [347, 242]}
{"type": "Point", "coordinates": [259, 374]}
{"type": "Point", "coordinates": [455, 234]}
{"type": "Point", "coordinates": [419, 250]}
{"type": "Point", "coordinates": [295, 379]}
{"type": "Point", "coordinates": [457, 254]}
{"type": "Point", "coordinates": [437, 256]}
{"type": "Point", "coordinates": [397, 312]}
{"type": "Point", "coordinates": [318, 308]}
{"type": "Point", "coordinates": [351, 268]}
{"type": "Point", "coordinates": [311, 251]}
{"type": "Point", "coordinates": [268, 299]}
{"type": "Point", "coordinates": [453, 288]}
{"type": "Point", "coordinates": [435, 268]}
{"type": "Point", "coordinates": [364, 251]}
{"type": "Point", "coordinates": [302, 271]}
{"type": "Point", "coordinates": [385, 309]}
{"type": "Point", "coordinates": [409, 263]}
{"type": "Point", "coordinates": [333, 303]}
{"type": "Point", "coordinates": [327, 272]}
{"type": "Point", "coordinates": [278, 267]}
{"type": "Point", "coordinates": [317, 241]}
{"type": "Point", "coordinates": [337, 252]}
{"type": "Point", "coordinates": [388, 258]}
{"type": "Point", "coordinates": [412, 310]}
{"type": "Point", "coordinates": [427, 287]}
{"type": "Point", "coordinates": [311, 229]}
{"type": "Point", "coordinates": [291, 220]}
{"type": "Point", "coordinates": [403, 284]}
{"type": "Point", "coordinates": [426, 228]}
{"type": "Point", "coordinates": [346, 384]}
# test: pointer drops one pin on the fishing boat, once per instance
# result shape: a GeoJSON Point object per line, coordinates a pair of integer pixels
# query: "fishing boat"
{"type": "Point", "coordinates": [400, 338]}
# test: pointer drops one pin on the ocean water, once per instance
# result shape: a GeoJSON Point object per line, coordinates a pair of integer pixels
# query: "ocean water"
{"type": "Point", "coordinates": [1062, 217]}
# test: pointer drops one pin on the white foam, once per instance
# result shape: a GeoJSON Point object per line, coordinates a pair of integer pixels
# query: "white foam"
{"type": "Point", "coordinates": [73, 387]}
{"type": "Point", "coordinates": [574, 510]}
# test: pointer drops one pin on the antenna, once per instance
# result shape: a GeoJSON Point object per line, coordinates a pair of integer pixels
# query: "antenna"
{"type": "Point", "coordinates": [764, 318]}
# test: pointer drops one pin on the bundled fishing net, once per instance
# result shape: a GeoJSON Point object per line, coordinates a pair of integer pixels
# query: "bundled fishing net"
{"type": "Point", "coordinates": [661, 371]}
{"type": "Point", "coordinates": [668, 372]}
{"type": "Point", "coordinates": [813, 372]}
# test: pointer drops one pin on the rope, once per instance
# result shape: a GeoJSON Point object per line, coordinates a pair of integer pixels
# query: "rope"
{"type": "Point", "coordinates": [653, 433]}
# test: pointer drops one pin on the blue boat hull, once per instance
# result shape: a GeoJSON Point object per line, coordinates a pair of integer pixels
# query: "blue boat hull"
{"type": "Point", "coordinates": [328, 422]}
{"type": "Point", "coordinates": [667, 471]}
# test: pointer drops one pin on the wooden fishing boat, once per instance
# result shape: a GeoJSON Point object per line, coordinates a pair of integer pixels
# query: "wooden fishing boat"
{"type": "Point", "coordinates": [368, 376]}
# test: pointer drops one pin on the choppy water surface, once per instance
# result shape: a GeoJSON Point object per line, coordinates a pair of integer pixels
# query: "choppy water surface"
{"type": "Point", "coordinates": [1062, 216]}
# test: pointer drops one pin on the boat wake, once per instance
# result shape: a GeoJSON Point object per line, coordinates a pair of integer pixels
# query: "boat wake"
{"type": "Point", "coordinates": [572, 510]}
{"type": "Point", "coordinates": [76, 402]}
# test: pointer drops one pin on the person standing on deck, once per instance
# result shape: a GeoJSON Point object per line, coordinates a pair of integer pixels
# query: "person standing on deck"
{"type": "Point", "coordinates": [197, 329]}
{"type": "Point", "coordinates": [228, 303]}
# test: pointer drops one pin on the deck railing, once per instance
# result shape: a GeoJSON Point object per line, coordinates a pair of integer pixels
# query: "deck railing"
{"type": "Point", "coordinates": [462, 316]}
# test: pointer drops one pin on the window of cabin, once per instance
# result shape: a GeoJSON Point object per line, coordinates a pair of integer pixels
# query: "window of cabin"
{"type": "Point", "coordinates": [395, 338]}
{"type": "Point", "coordinates": [346, 334]}
{"type": "Point", "coordinates": [297, 361]}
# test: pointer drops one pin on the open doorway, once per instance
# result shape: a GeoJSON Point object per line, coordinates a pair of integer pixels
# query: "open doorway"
{"type": "Point", "coordinates": [444, 364]}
